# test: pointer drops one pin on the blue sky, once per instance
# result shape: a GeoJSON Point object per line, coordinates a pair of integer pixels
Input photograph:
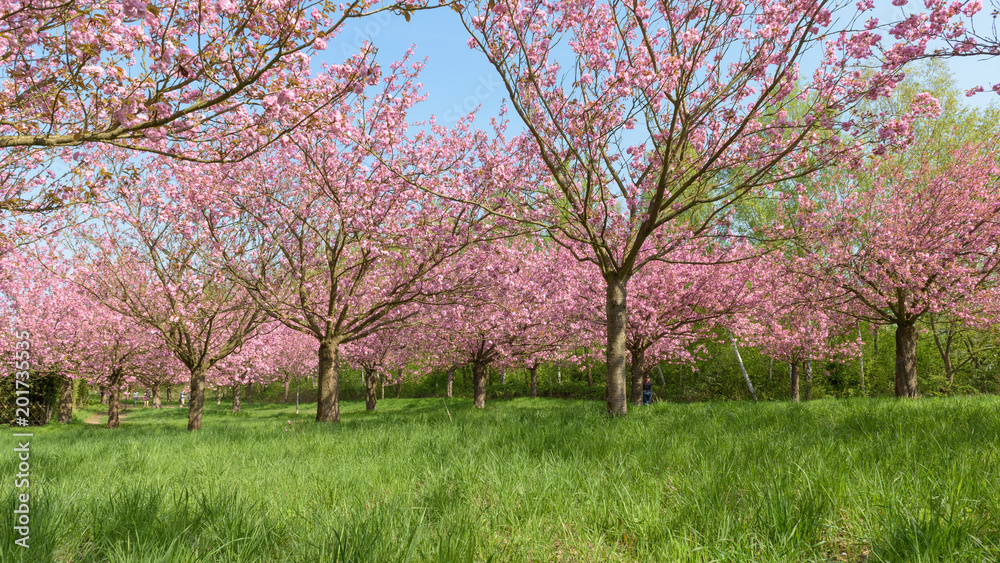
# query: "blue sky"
{"type": "Point", "coordinates": [457, 78]}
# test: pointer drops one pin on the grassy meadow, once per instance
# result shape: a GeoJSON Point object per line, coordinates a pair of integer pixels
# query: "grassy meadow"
{"type": "Point", "coordinates": [525, 480]}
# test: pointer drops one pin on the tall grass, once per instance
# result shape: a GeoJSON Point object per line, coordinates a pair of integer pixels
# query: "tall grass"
{"type": "Point", "coordinates": [524, 480]}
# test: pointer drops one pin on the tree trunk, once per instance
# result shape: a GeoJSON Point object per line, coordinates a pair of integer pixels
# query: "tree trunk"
{"type": "Point", "coordinates": [743, 369]}
{"type": "Point", "coordinates": [663, 381]}
{"type": "Point", "coordinates": [114, 405]}
{"type": "Point", "coordinates": [793, 371]}
{"type": "Point", "coordinates": [638, 357]}
{"type": "Point", "coordinates": [451, 380]}
{"type": "Point", "coordinates": [381, 385]}
{"type": "Point", "coordinates": [66, 400]}
{"type": "Point", "coordinates": [770, 369]}
{"type": "Point", "coordinates": [196, 401]}
{"type": "Point", "coordinates": [533, 370]}
{"type": "Point", "coordinates": [399, 383]}
{"type": "Point", "coordinates": [371, 388]}
{"type": "Point", "coordinates": [169, 389]}
{"type": "Point", "coordinates": [104, 395]}
{"type": "Point", "coordinates": [906, 360]}
{"type": "Point", "coordinates": [479, 384]}
{"type": "Point", "coordinates": [156, 402]}
{"type": "Point", "coordinates": [288, 381]}
{"type": "Point", "coordinates": [558, 375]}
{"type": "Point", "coordinates": [236, 398]}
{"type": "Point", "coordinates": [249, 391]}
{"type": "Point", "coordinates": [809, 379]}
{"type": "Point", "coordinates": [590, 376]}
{"type": "Point", "coordinates": [616, 309]}
{"type": "Point", "coordinates": [503, 376]}
{"type": "Point", "coordinates": [328, 400]}
{"type": "Point", "coordinates": [218, 395]}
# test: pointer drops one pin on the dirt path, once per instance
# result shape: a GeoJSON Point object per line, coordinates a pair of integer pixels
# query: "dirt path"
{"type": "Point", "coordinates": [96, 418]}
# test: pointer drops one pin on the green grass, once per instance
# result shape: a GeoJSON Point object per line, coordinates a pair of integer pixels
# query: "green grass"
{"type": "Point", "coordinates": [524, 480]}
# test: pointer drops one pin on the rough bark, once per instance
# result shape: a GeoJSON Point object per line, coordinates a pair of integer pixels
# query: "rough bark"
{"type": "Point", "coordinates": [157, 403]}
{"type": "Point", "coordinates": [197, 399]}
{"type": "Point", "coordinates": [169, 389]}
{"type": "Point", "coordinates": [533, 370]}
{"type": "Point", "coordinates": [638, 356]}
{"type": "Point", "coordinates": [451, 380]}
{"type": "Point", "coordinates": [66, 400]}
{"type": "Point", "coordinates": [114, 398]}
{"type": "Point", "coordinates": [104, 395]}
{"type": "Point", "coordinates": [479, 385]}
{"type": "Point", "coordinates": [371, 389]}
{"type": "Point", "coordinates": [328, 402]}
{"type": "Point", "coordinates": [616, 309]}
{"type": "Point", "coordinates": [793, 371]}
{"type": "Point", "coordinates": [906, 360]}
{"type": "Point", "coordinates": [249, 391]}
{"type": "Point", "coordinates": [237, 405]}
{"type": "Point", "coordinates": [590, 377]}
{"type": "Point", "coordinates": [114, 406]}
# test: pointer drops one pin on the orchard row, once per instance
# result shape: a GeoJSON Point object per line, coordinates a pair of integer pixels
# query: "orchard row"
{"type": "Point", "coordinates": [670, 176]}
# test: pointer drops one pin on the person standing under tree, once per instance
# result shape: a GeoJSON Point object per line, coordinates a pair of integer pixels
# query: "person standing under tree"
{"type": "Point", "coordinates": [647, 390]}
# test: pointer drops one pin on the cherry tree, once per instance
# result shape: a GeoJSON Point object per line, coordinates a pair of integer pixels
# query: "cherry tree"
{"type": "Point", "coordinates": [379, 354]}
{"type": "Point", "coordinates": [977, 36]}
{"type": "Point", "coordinates": [294, 357]}
{"type": "Point", "coordinates": [641, 114]}
{"type": "Point", "coordinates": [903, 241]}
{"type": "Point", "coordinates": [255, 361]}
{"type": "Point", "coordinates": [521, 308]}
{"type": "Point", "coordinates": [187, 79]}
{"type": "Point", "coordinates": [786, 319]}
{"type": "Point", "coordinates": [76, 337]}
{"type": "Point", "coordinates": [140, 256]}
{"type": "Point", "coordinates": [685, 300]}
{"type": "Point", "coordinates": [158, 367]}
{"type": "Point", "coordinates": [46, 309]}
{"type": "Point", "coordinates": [326, 231]}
